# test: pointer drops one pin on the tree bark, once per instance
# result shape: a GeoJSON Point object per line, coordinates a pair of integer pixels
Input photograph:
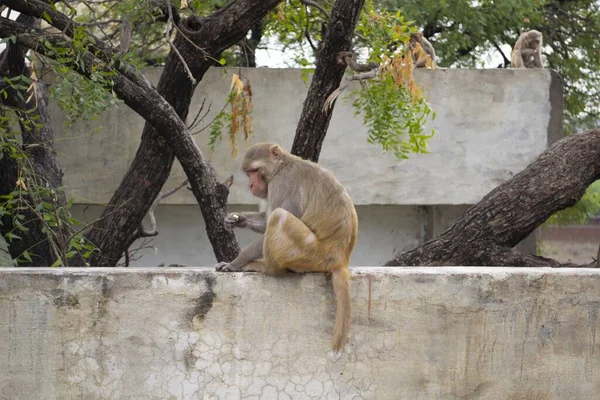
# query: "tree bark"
{"type": "Point", "coordinates": [314, 122]}
{"type": "Point", "coordinates": [154, 158]}
{"type": "Point", "coordinates": [486, 233]}
{"type": "Point", "coordinates": [38, 143]}
{"type": "Point", "coordinates": [152, 164]}
{"type": "Point", "coordinates": [152, 107]}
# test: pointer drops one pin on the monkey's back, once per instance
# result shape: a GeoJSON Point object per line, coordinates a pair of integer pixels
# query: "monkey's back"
{"type": "Point", "coordinates": [325, 205]}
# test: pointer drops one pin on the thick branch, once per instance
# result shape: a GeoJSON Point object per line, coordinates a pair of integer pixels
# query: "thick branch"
{"type": "Point", "coordinates": [205, 39]}
{"type": "Point", "coordinates": [314, 122]}
{"type": "Point", "coordinates": [485, 234]}
{"type": "Point", "coordinates": [152, 107]}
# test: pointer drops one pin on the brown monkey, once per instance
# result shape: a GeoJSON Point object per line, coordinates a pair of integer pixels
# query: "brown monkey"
{"type": "Point", "coordinates": [420, 58]}
{"type": "Point", "coordinates": [310, 224]}
{"type": "Point", "coordinates": [527, 52]}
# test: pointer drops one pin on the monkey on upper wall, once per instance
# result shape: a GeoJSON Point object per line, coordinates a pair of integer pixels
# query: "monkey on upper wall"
{"type": "Point", "coordinates": [420, 59]}
{"type": "Point", "coordinates": [310, 224]}
{"type": "Point", "coordinates": [527, 52]}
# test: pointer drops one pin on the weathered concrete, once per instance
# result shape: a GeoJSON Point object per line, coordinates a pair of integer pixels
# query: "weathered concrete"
{"type": "Point", "coordinates": [483, 138]}
{"type": "Point", "coordinates": [417, 333]}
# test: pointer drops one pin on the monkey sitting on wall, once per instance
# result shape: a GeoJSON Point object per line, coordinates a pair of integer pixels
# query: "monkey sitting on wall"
{"type": "Point", "coordinates": [527, 52]}
{"type": "Point", "coordinates": [420, 58]}
{"type": "Point", "coordinates": [310, 224]}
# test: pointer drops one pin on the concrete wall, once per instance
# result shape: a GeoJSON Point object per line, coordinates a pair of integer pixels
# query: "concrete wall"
{"type": "Point", "coordinates": [417, 333]}
{"type": "Point", "coordinates": [484, 137]}
{"type": "Point", "coordinates": [490, 124]}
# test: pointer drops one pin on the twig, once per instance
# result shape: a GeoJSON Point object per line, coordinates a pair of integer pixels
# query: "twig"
{"type": "Point", "coordinates": [506, 60]}
{"type": "Point", "coordinates": [153, 232]}
{"type": "Point", "coordinates": [167, 36]}
{"type": "Point", "coordinates": [347, 58]}
{"type": "Point", "coordinates": [316, 5]}
{"type": "Point", "coordinates": [197, 118]}
{"type": "Point", "coordinates": [98, 23]}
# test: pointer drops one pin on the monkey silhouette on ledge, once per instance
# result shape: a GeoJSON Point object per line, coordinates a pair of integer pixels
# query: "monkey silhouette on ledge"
{"type": "Point", "coordinates": [310, 224]}
{"type": "Point", "coordinates": [527, 52]}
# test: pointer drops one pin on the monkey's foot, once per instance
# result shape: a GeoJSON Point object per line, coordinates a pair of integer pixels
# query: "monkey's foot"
{"type": "Point", "coordinates": [226, 267]}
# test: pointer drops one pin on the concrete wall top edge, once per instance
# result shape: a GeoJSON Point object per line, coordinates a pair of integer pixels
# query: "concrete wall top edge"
{"type": "Point", "coordinates": [356, 271]}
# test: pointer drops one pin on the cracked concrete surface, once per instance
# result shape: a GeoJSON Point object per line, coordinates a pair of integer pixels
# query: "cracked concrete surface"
{"type": "Point", "coordinates": [191, 333]}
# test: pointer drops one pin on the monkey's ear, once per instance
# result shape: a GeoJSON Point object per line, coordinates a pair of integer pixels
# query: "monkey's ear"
{"type": "Point", "coordinates": [276, 152]}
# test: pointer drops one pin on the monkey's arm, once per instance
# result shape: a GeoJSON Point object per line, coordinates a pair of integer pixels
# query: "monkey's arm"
{"type": "Point", "coordinates": [256, 221]}
{"type": "Point", "coordinates": [247, 255]}
{"type": "Point", "coordinates": [531, 58]}
{"type": "Point", "coordinates": [516, 59]}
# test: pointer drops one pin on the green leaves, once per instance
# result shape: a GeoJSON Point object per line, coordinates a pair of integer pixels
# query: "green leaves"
{"type": "Point", "coordinates": [32, 201]}
{"type": "Point", "coordinates": [394, 119]}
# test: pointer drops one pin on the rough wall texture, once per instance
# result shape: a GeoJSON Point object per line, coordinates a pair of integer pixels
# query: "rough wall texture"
{"type": "Point", "coordinates": [418, 333]}
{"type": "Point", "coordinates": [483, 137]}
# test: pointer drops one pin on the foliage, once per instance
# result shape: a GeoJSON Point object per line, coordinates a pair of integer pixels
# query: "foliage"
{"type": "Point", "coordinates": [32, 195]}
{"type": "Point", "coordinates": [580, 213]}
{"type": "Point", "coordinates": [240, 102]}
{"type": "Point", "coordinates": [393, 107]}
{"type": "Point", "coordinates": [466, 34]}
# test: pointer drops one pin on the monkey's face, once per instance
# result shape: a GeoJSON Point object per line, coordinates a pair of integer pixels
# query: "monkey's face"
{"type": "Point", "coordinates": [534, 44]}
{"type": "Point", "coordinates": [258, 185]}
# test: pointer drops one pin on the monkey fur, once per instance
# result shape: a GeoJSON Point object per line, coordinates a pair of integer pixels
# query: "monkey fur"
{"type": "Point", "coordinates": [310, 225]}
{"type": "Point", "coordinates": [527, 52]}
{"type": "Point", "coordinates": [420, 57]}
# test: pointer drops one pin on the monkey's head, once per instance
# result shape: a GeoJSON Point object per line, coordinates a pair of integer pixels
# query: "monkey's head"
{"type": "Point", "coordinates": [416, 37]}
{"type": "Point", "coordinates": [534, 38]}
{"type": "Point", "coordinates": [261, 163]}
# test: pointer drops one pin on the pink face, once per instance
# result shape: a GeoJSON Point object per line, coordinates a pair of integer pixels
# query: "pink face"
{"type": "Point", "coordinates": [258, 186]}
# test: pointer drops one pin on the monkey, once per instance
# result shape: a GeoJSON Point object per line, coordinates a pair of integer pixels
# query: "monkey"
{"type": "Point", "coordinates": [527, 52]}
{"type": "Point", "coordinates": [420, 58]}
{"type": "Point", "coordinates": [310, 224]}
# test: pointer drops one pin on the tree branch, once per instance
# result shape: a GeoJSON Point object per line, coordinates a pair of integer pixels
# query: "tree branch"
{"type": "Point", "coordinates": [154, 109]}
{"type": "Point", "coordinates": [486, 233]}
{"type": "Point", "coordinates": [314, 122]}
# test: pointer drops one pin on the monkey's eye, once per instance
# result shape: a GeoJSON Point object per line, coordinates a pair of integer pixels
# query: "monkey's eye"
{"type": "Point", "coordinates": [251, 171]}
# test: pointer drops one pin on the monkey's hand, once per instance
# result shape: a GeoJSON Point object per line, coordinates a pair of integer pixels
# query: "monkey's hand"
{"type": "Point", "coordinates": [226, 267]}
{"type": "Point", "coordinates": [234, 220]}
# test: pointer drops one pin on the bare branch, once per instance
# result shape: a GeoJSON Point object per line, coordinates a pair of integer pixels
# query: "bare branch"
{"type": "Point", "coordinates": [168, 37]}
{"type": "Point", "coordinates": [153, 231]}
{"type": "Point", "coordinates": [312, 3]}
{"type": "Point", "coordinates": [198, 118]}
{"type": "Point", "coordinates": [347, 58]}
{"type": "Point", "coordinates": [105, 22]}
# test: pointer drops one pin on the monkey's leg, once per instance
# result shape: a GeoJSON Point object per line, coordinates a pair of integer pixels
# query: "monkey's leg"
{"type": "Point", "coordinates": [290, 244]}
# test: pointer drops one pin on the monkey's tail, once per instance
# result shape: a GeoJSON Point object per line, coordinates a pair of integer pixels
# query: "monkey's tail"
{"type": "Point", "coordinates": [343, 316]}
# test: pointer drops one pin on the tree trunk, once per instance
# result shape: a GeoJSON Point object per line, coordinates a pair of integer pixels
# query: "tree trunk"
{"type": "Point", "coordinates": [152, 164]}
{"type": "Point", "coordinates": [154, 159]}
{"type": "Point", "coordinates": [486, 233]}
{"type": "Point", "coordinates": [38, 143]}
{"type": "Point", "coordinates": [314, 122]}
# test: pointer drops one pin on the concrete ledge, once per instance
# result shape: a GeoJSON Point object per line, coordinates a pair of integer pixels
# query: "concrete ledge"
{"type": "Point", "coordinates": [417, 333]}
